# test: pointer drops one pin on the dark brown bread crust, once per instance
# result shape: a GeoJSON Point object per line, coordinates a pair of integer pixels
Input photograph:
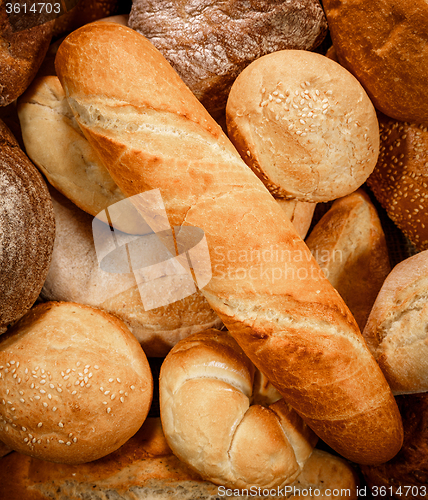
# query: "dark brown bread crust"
{"type": "Point", "coordinates": [410, 466]}
{"type": "Point", "coordinates": [400, 177]}
{"type": "Point", "coordinates": [210, 43]}
{"type": "Point", "coordinates": [384, 43]}
{"type": "Point", "coordinates": [27, 230]}
{"type": "Point", "coordinates": [21, 54]}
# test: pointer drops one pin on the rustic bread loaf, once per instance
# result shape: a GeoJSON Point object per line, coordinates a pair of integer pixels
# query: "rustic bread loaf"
{"type": "Point", "coordinates": [406, 475]}
{"type": "Point", "coordinates": [384, 44]}
{"type": "Point", "coordinates": [27, 230]}
{"type": "Point", "coordinates": [396, 329]}
{"type": "Point", "coordinates": [206, 391]}
{"type": "Point", "coordinates": [349, 245]}
{"type": "Point", "coordinates": [400, 178]}
{"type": "Point", "coordinates": [151, 132]}
{"type": "Point", "coordinates": [304, 125]}
{"type": "Point", "coordinates": [75, 384]}
{"type": "Point", "coordinates": [144, 468]}
{"type": "Point", "coordinates": [209, 44]}
{"type": "Point", "coordinates": [75, 275]}
{"type": "Point", "coordinates": [22, 49]}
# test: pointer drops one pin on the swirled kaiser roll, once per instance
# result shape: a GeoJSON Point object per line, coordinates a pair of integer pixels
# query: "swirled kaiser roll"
{"type": "Point", "coordinates": [74, 384]}
{"type": "Point", "coordinates": [206, 393]}
{"type": "Point", "coordinates": [151, 132]}
{"type": "Point", "coordinates": [27, 230]}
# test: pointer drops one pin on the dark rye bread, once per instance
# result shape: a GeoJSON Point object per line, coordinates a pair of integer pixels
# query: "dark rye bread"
{"type": "Point", "coordinates": [210, 43]}
{"type": "Point", "coordinates": [21, 53]}
{"type": "Point", "coordinates": [400, 178]}
{"type": "Point", "coordinates": [27, 230]}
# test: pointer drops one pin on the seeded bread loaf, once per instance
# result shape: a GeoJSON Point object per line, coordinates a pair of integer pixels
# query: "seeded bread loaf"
{"type": "Point", "coordinates": [75, 383]}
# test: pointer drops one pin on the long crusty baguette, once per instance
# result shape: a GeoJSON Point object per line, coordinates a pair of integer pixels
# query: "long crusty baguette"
{"type": "Point", "coordinates": [151, 132]}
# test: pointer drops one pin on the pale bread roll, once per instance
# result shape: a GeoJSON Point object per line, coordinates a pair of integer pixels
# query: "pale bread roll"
{"type": "Point", "coordinates": [396, 329]}
{"type": "Point", "coordinates": [350, 247]}
{"type": "Point", "coordinates": [146, 469]}
{"type": "Point", "coordinates": [152, 133]}
{"type": "Point", "coordinates": [304, 125]}
{"type": "Point", "coordinates": [75, 384]}
{"type": "Point", "coordinates": [75, 275]}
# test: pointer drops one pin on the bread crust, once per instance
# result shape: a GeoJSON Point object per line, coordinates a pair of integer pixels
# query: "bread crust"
{"type": "Point", "coordinates": [170, 142]}
{"type": "Point", "coordinates": [384, 44]}
{"type": "Point", "coordinates": [27, 230]}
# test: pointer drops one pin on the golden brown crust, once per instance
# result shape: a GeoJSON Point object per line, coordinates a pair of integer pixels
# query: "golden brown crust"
{"type": "Point", "coordinates": [300, 213]}
{"type": "Point", "coordinates": [400, 177]}
{"type": "Point", "coordinates": [151, 132]}
{"type": "Point", "coordinates": [75, 383]}
{"type": "Point", "coordinates": [384, 44]}
{"type": "Point", "coordinates": [396, 329]}
{"type": "Point", "coordinates": [146, 468]}
{"type": "Point", "coordinates": [27, 230]}
{"type": "Point", "coordinates": [350, 247]}
{"type": "Point", "coordinates": [304, 125]}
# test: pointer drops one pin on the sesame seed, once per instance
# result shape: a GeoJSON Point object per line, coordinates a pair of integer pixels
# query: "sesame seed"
{"type": "Point", "coordinates": [45, 405]}
{"type": "Point", "coordinates": [110, 380]}
{"type": "Point", "coordinates": [60, 441]}
{"type": "Point", "coordinates": [42, 391]}
{"type": "Point", "coordinates": [43, 381]}
{"type": "Point", "coordinates": [122, 399]}
{"type": "Point", "coordinates": [25, 440]}
{"type": "Point", "coordinates": [112, 396]}
{"type": "Point", "coordinates": [68, 443]}
{"type": "Point", "coordinates": [73, 393]}
{"type": "Point", "coordinates": [106, 393]}
{"type": "Point", "coordinates": [39, 424]}
{"type": "Point", "coordinates": [54, 408]}
{"type": "Point", "coordinates": [74, 440]}
{"type": "Point", "coordinates": [96, 367]}
{"type": "Point", "coordinates": [61, 424]}
{"type": "Point", "coordinates": [108, 410]}
{"type": "Point", "coordinates": [24, 429]}
{"type": "Point", "coordinates": [132, 387]}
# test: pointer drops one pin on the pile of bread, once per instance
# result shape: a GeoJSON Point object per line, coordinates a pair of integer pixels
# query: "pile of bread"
{"type": "Point", "coordinates": [159, 176]}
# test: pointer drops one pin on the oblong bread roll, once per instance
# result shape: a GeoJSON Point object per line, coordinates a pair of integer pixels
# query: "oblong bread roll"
{"type": "Point", "coordinates": [152, 133]}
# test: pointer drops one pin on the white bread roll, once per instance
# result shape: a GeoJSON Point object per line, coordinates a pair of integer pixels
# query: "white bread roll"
{"type": "Point", "coordinates": [350, 247]}
{"type": "Point", "coordinates": [76, 276]}
{"type": "Point", "coordinates": [205, 392]}
{"type": "Point", "coordinates": [74, 384]}
{"type": "Point", "coordinates": [304, 125]}
{"type": "Point", "coordinates": [144, 468]}
{"type": "Point", "coordinates": [396, 329]}
{"type": "Point", "coordinates": [151, 132]}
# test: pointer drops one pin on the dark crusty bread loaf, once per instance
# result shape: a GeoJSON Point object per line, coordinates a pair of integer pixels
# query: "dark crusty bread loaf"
{"type": "Point", "coordinates": [144, 468]}
{"type": "Point", "coordinates": [27, 230]}
{"type": "Point", "coordinates": [350, 247]}
{"type": "Point", "coordinates": [151, 132]}
{"type": "Point", "coordinates": [384, 44]}
{"type": "Point", "coordinates": [400, 178]}
{"type": "Point", "coordinates": [210, 43]}
{"type": "Point", "coordinates": [21, 52]}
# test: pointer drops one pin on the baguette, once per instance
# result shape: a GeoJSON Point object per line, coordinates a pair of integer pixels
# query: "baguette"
{"type": "Point", "coordinates": [151, 132]}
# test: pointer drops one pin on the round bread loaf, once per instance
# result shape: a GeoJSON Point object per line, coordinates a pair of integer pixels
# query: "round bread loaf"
{"type": "Point", "coordinates": [27, 230]}
{"type": "Point", "coordinates": [384, 43]}
{"type": "Point", "coordinates": [75, 384]}
{"type": "Point", "coordinates": [210, 43]}
{"type": "Point", "coordinates": [75, 275]}
{"type": "Point", "coordinates": [304, 125]}
{"type": "Point", "coordinates": [396, 330]}
{"type": "Point", "coordinates": [205, 391]}
{"type": "Point", "coordinates": [400, 178]}
{"type": "Point", "coordinates": [406, 475]}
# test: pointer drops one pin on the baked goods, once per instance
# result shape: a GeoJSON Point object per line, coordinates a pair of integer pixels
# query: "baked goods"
{"type": "Point", "coordinates": [384, 44]}
{"type": "Point", "coordinates": [205, 393]}
{"type": "Point", "coordinates": [406, 475]}
{"type": "Point", "coordinates": [23, 47]}
{"type": "Point", "coordinates": [75, 275]}
{"type": "Point", "coordinates": [349, 245]}
{"type": "Point", "coordinates": [400, 178]}
{"type": "Point", "coordinates": [209, 44]}
{"type": "Point", "coordinates": [396, 329]}
{"type": "Point", "coordinates": [304, 125]}
{"type": "Point", "coordinates": [145, 468]}
{"type": "Point", "coordinates": [27, 230]}
{"type": "Point", "coordinates": [300, 214]}
{"type": "Point", "coordinates": [4, 450]}
{"type": "Point", "coordinates": [151, 132]}
{"type": "Point", "coordinates": [75, 384]}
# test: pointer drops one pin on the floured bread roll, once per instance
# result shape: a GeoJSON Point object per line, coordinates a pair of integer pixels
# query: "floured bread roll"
{"type": "Point", "coordinates": [75, 275]}
{"type": "Point", "coordinates": [304, 125]}
{"type": "Point", "coordinates": [396, 330]}
{"type": "Point", "coordinates": [349, 245]}
{"type": "Point", "coordinates": [75, 382]}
